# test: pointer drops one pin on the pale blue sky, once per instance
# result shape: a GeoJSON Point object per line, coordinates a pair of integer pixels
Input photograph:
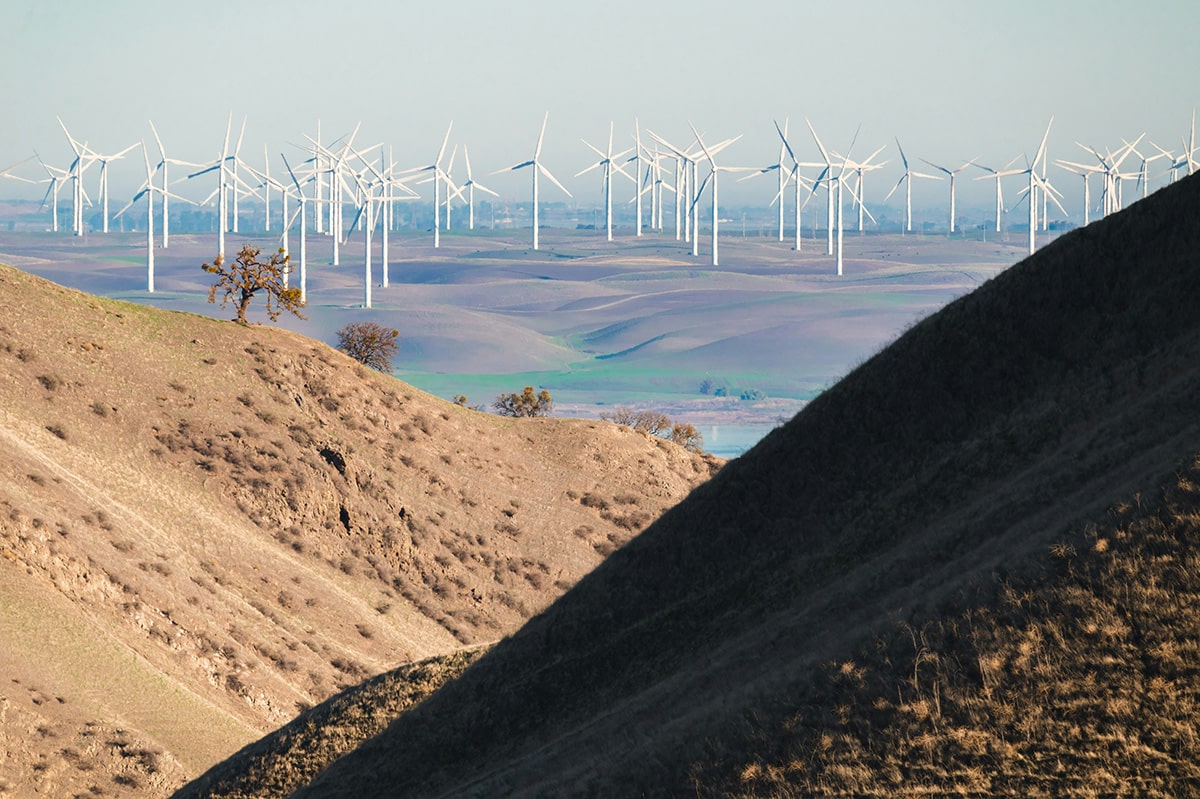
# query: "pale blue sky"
{"type": "Point", "coordinates": [953, 80]}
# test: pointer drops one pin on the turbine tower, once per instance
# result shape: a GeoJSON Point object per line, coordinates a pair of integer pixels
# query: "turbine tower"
{"type": "Point", "coordinates": [607, 164]}
{"type": "Point", "coordinates": [713, 176]}
{"type": "Point", "coordinates": [907, 179]}
{"type": "Point", "coordinates": [536, 168]}
{"type": "Point", "coordinates": [953, 173]}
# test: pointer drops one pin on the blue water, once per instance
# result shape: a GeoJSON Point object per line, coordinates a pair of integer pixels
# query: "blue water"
{"type": "Point", "coordinates": [731, 440]}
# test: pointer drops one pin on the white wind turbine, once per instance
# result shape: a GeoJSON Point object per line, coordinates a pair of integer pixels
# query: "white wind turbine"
{"type": "Point", "coordinates": [953, 173]}
{"type": "Point", "coordinates": [302, 212]}
{"type": "Point", "coordinates": [439, 175]}
{"type": "Point", "coordinates": [103, 192]}
{"type": "Point", "coordinates": [376, 196]}
{"type": "Point", "coordinates": [830, 181]}
{"type": "Point", "coordinates": [75, 174]}
{"type": "Point", "coordinates": [1030, 171]}
{"type": "Point", "coordinates": [1085, 171]}
{"type": "Point", "coordinates": [713, 176]}
{"type": "Point", "coordinates": [798, 179]}
{"type": "Point", "coordinates": [860, 168]}
{"type": "Point", "coordinates": [537, 168]}
{"type": "Point", "coordinates": [470, 187]}
{"type": "Point", "coordinates": [147, 190]}
{"type": "Point", "coordinates": [607, 164]}
{"type": "Point", "coordinates": [221, 192]}
{"type": "Point", "coordinates": [686, 193]}
{"type": "Point", "coordinates": [163, 166]}
{"type": "Point", "coordinates": [781, 175]}
{"type": "Point", "coordinates": [833, 183]}
{"type": "Point", "coordinates": [1109, 167]}
{"type": "Point", "coordinates": [994, 174]}
{"type": "Point", "coordinates": [907, 179]}
{"type": "Point", "coordinates": [367, 216]}
{"type": "Point", "coordinates": [56, 177]}
{"type": "Point", "coordinates": [1144, 170]}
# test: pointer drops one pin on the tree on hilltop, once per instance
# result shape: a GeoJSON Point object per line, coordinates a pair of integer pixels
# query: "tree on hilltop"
{"type": "Point", "coordinates": [369, 343]}
{"type": "Point", "coordinates": [524, 404]}
{"type": "Point", "coordinates": [248, 275]}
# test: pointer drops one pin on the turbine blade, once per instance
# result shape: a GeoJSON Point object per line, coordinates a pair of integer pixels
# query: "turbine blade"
{"type": "Point", "coordinates": [553, 179]}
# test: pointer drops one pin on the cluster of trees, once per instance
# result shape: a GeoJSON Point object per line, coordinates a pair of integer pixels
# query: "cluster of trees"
{"type": "Point", "coordinates": [658, 424]}
{"type": "Point", "coordinates": [524, 404]}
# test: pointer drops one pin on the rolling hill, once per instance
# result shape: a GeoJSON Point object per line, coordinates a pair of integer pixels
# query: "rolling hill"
{"type": "Point", "coordinates": [970, 568]}
{"type": "Point", "coordinates": [207, 528]}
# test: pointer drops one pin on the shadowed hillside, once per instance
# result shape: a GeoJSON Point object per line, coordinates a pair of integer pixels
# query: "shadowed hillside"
{"type": "Point", "coordinates": [969, 566]}
{"type": "Point", "coordinates": [206, 528]}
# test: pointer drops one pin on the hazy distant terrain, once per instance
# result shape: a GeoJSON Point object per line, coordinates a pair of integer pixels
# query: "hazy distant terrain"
{"type": "Point", "coordinates": [634, 321]}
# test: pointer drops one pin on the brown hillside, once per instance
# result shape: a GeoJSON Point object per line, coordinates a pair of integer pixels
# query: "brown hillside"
{"type": "Point", "coordinates": [937, 498]}
{"type": "Point", "coordinates": [206, 528]}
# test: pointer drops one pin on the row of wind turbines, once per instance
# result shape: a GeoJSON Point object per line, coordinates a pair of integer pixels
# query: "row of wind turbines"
{"type": "Point", "coordinates": [339, 176]}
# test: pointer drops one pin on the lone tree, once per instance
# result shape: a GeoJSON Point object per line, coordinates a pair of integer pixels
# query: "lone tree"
{"type": "Point", "coordinates": [369, 343]}
{"type": "Point", "coordinates": [524, 404]}
{"type": "Point", "coordinates": [248, 275]}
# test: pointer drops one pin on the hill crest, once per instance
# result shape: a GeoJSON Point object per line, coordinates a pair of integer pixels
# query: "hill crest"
{"type": "Point", "coordinates": [249, 521]}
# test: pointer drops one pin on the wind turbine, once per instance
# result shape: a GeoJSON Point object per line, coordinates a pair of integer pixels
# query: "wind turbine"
{"type": "Point", "coordinates": [907, 179]}
{"type": "Point", "coordinates": [713, 176]}
{"type": "Point", "coordinates": [795, 176]}
{"type": "Point", "coordinates": [834, 183]}
{"type": "Point", "coordinates": [164, 166]}
{"type": "Point", "coordinates": [686, 193]}
{"type": "Point", "coordinates": [781, 175]}
{"type": "Point", "coordinates": [607, 164]}
{"type": "Point", "coordinates": [438, 176]}
{"type": "Point", "coordinates": [860, 168]}
{"type": "Point", "coordinates": [104, 159]}
{"type": "Point", "coordinates": [75, 173]}
{"type": "Point", "coordinates": [994, 174]}
{"type": "Point", "coordinates": [303, 227]}
{"type": "Point", "coordinates": [147, 190]}
{"type": "Point", "coordinates": [953, 173]}
{"type": "Point", "coordinates": [56, 176]}
{"type": "Point", "coordinates": [537, 168]}
{"type": "Point", "coordinates": [470, 187]}
{"type": "Point", "coordinates": [221, 192]}
{"type": "Point", "coordinates": [1085, 171]}
{"type": "Point", "coordinates": [1035, 181]}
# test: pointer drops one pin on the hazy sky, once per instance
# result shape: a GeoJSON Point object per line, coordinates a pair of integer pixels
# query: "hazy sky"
{"type": "Point", "coordinates": [953, 80]}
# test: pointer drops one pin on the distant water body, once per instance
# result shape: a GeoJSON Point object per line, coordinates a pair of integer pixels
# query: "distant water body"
{"type": "Point", "coordinates": [732, 440]}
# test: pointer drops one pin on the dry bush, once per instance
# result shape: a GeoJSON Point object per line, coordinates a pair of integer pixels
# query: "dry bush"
{"type": "Point", "coordinates": [369, 343]}
{"type": "Point", "coordinates": [524, 404]}
{"type": "Point", "coordinates": [657, 424]}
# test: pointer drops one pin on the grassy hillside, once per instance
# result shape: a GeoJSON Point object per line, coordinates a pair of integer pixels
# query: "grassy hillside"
{"type": "Point", "coordinates": [932, 580]}
{"type": "Point", "coordinates": [207, 528]}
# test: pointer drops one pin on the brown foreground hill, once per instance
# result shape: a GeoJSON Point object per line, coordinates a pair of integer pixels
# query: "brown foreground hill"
{"type": "Point", "coordinates": [972, 567]}
{"type": "Point", "coordinates": [206, 528]}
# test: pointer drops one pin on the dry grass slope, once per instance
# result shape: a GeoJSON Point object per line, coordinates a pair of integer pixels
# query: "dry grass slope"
{"type": "Point", "coordinates": [925, 580]}
{"type": "Point", "coordinates": [229, 524]}
{"type": "Point", "coordinates": [293, 755]}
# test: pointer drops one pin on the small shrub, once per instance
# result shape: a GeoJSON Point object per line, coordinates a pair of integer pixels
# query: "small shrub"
{"type": "Point", "coordinates": [57, 430]}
